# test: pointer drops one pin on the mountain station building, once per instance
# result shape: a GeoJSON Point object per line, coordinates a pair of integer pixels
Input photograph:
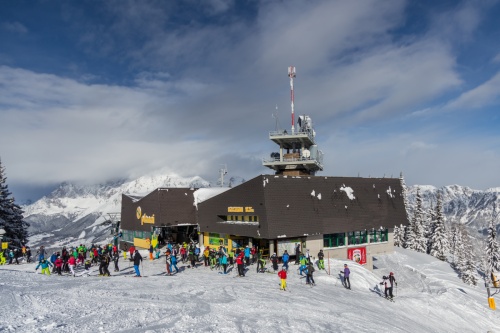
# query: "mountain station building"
{"type": "Point", "coordinates": [348, 217]}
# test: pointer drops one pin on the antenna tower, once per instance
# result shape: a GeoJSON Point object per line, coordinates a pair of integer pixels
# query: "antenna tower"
{"type": "Point", "coordinates": [222, 172]}
{"type": "Point", "coordinates": [291, 75]}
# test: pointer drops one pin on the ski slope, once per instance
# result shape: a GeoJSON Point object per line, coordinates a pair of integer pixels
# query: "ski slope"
{"type": "Point", "coordinates": [430, 298]}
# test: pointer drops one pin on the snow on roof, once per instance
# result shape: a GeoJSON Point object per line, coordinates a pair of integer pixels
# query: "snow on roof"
{"type": "Point", "coordinates": [389, 192]}
{"type": "Point", "coordinates": [203, 194]}
{"type": "Point", "coordinates": [349, 191]}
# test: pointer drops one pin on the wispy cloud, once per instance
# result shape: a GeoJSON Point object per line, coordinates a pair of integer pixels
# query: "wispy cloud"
{"type": "Point", "coordinates": [15, 27]}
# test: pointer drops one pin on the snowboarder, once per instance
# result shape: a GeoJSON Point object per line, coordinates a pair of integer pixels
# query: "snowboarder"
{"type": "Point", "coordinates": [321, 261]}
{"type": "Point", "coordinates": [389, 282]}
{"type": "Point", "coordinates": [282, 276]}
{"type": "Point", "coordinates": [137, 262]}
{"type": "Point", "coordinates": [346, 273]}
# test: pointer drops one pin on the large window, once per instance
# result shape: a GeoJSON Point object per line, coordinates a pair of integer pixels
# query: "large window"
{"type": "Point", "coordinates": [334, 240]}
{"type": "Point", "coordinates": [357, 237]}
{"type": "Point", "coordinates": [379, 235]}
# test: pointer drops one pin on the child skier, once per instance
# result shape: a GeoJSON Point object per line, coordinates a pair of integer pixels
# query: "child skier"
{"type": "Point", "coordinates": [285, 259]}
{"type": "Point", "coordinates": [346, 272]}
{"type": "Point", "coordinates": [274, 261]}
{"type": "Point", "coordinates": [282, 276]}
{"type": "Point", "coordinates": [321, 261]}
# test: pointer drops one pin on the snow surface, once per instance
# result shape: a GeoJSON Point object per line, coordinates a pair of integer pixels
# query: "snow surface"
{"type": "Point", "coordinates": [349, 191]}
{"type": "Point", "coordinates": [430, 298]}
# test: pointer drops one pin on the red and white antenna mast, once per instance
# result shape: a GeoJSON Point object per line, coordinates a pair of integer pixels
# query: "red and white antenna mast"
{"type": "Point", "coordinates": [291, 75]}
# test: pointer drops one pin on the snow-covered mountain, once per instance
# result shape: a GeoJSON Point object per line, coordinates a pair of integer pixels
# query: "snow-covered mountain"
{"type": "Point", "coordinates": [473, 208]}
{"type": "Point", "coordinates": [80, 214]}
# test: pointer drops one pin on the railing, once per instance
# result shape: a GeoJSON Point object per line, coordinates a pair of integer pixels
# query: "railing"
{"type": "Point", "coordinates": [285, 133]}
{"type": "Point", "coordinates": [318, 159]}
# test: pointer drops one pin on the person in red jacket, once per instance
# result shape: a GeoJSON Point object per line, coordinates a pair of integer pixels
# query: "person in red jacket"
{"type": "Point", "coordinates": [240, 262]}
{"type": "Point", "coordinates": [58, 265]}
{"type": "Point", "coordinates": [282, 276]}
{"type": "Point", "coordinates": [131, 250]}
{"type": "Point", "coordinates": [72, 263]}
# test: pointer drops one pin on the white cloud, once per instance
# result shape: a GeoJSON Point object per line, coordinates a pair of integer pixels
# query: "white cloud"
{"type": "Point", "coordinates": [15, 27]}
{"type": "Point", "coordinates": [485, 94]}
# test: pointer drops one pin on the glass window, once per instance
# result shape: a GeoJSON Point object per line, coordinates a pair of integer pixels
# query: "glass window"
{"type": "Point", "coordinates": [334, 240]}
{"type": "Point", "coordinates": [357, 237]}
{"type": "Point", "coordinates": [379, 235]}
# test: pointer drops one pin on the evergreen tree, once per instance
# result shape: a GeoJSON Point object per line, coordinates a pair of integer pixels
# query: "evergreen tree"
{"type": "Point", "coordinates": [464, 258]}
{"type": "Point", "coordinates": [405, 196]}
{"type": "Point", "coordinates": [399, 236]}
{"type": "Point", "coordinates": [492, 250]}
{"type": "Point", "coordinates": [11, 218]}
{"type": "Point", "coordinates": [418, 241]}
{"type": "Point", "coordinates": [439, 244]}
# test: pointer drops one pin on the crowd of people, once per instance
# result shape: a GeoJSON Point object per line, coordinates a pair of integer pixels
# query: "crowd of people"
{"type": "Point", "coordinates": [78, 260]}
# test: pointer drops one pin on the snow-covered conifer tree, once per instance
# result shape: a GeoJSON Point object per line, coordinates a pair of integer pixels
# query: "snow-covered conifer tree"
{"type": "Point", "coordinates": [399, 235]}
{"type": "Point", "coordinates": [11, 218]}
{"type": "Point", "coordinates": [492, 250]}
{"type": "Point", "coordinates": [418, 241]}
{"type": "Point", "coordinates": [439, 244]}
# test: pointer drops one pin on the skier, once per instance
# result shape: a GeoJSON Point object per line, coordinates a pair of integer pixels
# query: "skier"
{"type": "Point", "coordinates": [137, 262]}
{"type": "Point", "coordinates": [303, 264]}
{"type": "Point", "coordinates": [285, 259]}
{"type": "Point", "coordinates": [173, 262]}
{"type": "Point", "coordinates": [253, 252]}
{"type": "Point", "coordinates": [346, 273]}
{"type": "Point", "coordinates": [239, 262]}
{"type": "Point", "coordinates": [116, 257]}
{"type": "Point", "coordinates": [125, 250]}
{"type": "Point", "coordinates": [45, 266]}
{"type": "Point", "coordinates": [282, 276]}
{"type": "Point", "coordinates": [72, 263]}
{"type": "Point", "coordinates": [151, 250]}
{"type": "Point", "coordinates": [247, 256]}
{"type": "Point", "coordinates": [309, 274]}
{"type": "Point", "coordinates": [223, 262]}
{"type": "Point", "coordinates": [58, 265]}
{"type": "Point", "coordinates": [321, 261]}
{"type": "Point", "coordinates": [28, 254]}
{"type": "Point", "coordinates": [389, 282]}
{"type": "Point", "coordinates": [308, 256]}
{"type": "Point", "coordinates": [168, 262]}
{"type": "Point", "coordinates": [41, 253]}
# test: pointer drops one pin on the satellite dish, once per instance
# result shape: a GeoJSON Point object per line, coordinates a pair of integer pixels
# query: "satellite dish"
{"type": "Point", "coordinates": [306, 153]}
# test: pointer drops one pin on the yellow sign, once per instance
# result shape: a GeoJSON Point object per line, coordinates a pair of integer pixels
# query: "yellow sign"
{"type": "Point", "coordinates": [249, 210]}
{"type": "Point", "coordinates": [235, 209]}
{"type": "Point", "coordinates": [138, 212]}
{"type": "Point", "coordinates": [147, 219]}
{"type": "Point", "coordinates": [5, 245]}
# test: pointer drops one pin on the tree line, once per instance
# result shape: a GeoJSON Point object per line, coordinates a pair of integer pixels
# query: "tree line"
{"type": "Point", "coordinates": [428, 233]}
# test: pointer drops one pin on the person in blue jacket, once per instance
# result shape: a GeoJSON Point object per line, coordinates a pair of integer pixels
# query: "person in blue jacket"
{"type": "Point", "coordinates": [45, 266]}
{"type": "Point", "coordinates": [137, 262]}
{"type": "Point", "coordinates": [223, 262]}
{"type": "Point", "coordinates": [285, 258]}
{"type": "Point", "coordinates": [247, 255]}
{"type": "Point", "coordinates": [173, 263]}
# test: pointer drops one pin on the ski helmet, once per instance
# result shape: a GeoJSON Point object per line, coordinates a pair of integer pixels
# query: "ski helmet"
{"type": "Point", "coordinates": [391, 273]}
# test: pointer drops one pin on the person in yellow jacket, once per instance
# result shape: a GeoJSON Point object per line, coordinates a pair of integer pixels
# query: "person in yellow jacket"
{"type": "Point", "coordinates": [206, 254]}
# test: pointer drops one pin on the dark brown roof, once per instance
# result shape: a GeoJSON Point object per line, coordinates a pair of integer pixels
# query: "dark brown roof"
{"type": "Point", "coordinates": [307, 205]}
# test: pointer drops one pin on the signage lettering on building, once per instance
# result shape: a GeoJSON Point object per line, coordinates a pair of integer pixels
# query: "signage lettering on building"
{"type": "Point", "coordinates": [240, 209]}
{"type": "Point", "coordinates": [143, 217]}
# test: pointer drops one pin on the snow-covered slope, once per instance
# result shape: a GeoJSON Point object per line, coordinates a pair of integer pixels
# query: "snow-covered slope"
{"type": "Point", "coordinates": [76, 213]}
{"type": "Point", "coordinates": [430, 298]}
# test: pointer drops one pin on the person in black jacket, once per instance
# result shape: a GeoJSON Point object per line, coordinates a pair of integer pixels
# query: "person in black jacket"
{"type": "Point", "coordinates": [297, 254]}
{"type": "Point", "coordinates": [137, 262]}
{"type": "Point", "coordinates": [389, 282]}
{"type": "Point", "coordinates": [321, 260]}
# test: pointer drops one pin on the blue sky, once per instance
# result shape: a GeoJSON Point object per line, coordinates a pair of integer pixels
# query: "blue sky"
{"type": "Point", "coordinates": [97, 90]}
